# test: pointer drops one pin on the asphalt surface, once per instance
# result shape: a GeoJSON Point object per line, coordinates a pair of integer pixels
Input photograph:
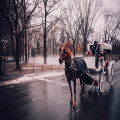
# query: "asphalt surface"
{"type": "Point", "coordinates": [48, 99]}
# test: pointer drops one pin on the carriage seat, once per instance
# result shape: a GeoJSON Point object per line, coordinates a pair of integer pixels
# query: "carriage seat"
{"type": "Point", "coordinates": [90, 61]}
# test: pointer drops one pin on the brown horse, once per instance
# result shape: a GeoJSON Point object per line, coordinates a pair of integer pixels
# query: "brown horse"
{"type": "Point", "coordinates": [71, 73]}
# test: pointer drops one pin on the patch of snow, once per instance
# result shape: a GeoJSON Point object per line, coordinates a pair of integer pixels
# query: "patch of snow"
{"type": "Point", "coordinates": [50, 60]}
{"type": "Point", "coordinates": [30, 77]}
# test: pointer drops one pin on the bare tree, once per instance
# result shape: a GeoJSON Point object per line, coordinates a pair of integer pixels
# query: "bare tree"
{"type": "Point", "coordinates": [49, 7]}
{"type": "Point", "coordinates": [62, 38]}
{"type": "Point", "coordinates": [111, 27]}
{"type": "Point", "coordinates": [89, 13]}
{"type": "Point", "coordinates": [14, 18]}
{"type": "Point", "coordinates": [72, 23]}
{"type": "Point", "coordinates": [81, 17]}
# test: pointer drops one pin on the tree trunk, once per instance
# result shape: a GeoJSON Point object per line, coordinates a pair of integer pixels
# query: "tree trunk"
{"type": "Point", "coordinates": [1, 67]}
{"type": "Point", "coordinates": [85, 44]}
{"type": "Point", "coordinates": [45, 48]}
{"type": "Point", "coordinates": [17, 53]}
{"type": "Point", "coordinates": [1, 72]}
{"type": "Point", "coordinates": [20, 49]}
{"type": "Point", "coordinates": [74, 48]}
{"type": "Point", "coordinates": [53, 48]}
{"type": "Point", "coordinates": [23, 48]}
{"type": "Point", "coordinates": [13, 48]}
{"type": "Point", "coordinates": [26, 60]}
{"type": "Point", "coordinates": [28, 50]}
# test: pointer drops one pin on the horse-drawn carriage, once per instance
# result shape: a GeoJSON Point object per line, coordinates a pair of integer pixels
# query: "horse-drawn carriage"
{"type": "Point", "coordinates": [84, 68]}
{"type": "Point", "coordinates": [105, 70]}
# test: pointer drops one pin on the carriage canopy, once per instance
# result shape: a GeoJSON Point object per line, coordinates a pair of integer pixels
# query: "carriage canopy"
{"type": "Point", "coordinates": [106, 46]}
{"type": "Point", "coordinates": [103, 46]}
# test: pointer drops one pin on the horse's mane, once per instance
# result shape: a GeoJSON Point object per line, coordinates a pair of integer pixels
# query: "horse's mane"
{"type": "Point", "coordinates": [68, 48]}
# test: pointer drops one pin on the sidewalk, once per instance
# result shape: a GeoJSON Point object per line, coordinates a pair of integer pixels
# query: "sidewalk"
{"type": "Point", "coordinates": [27, 68]}
{"type": "Point", "coordinates": [43, 76]}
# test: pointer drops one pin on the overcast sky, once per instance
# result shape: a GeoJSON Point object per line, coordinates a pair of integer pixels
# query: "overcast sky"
{"type": "Point", "coordinates": [108, 4]}
{"type": "Point", "coordinates": [112, 4]}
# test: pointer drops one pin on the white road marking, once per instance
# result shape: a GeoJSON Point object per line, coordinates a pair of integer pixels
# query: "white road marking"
{"type": "Point", "coordinates": [46, 80]}
{"type": "Point", "coordinates": [65, 85]}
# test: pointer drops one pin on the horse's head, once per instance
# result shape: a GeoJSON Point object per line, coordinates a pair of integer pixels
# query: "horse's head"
{"type": "Point", "coordinates": [64, 53]}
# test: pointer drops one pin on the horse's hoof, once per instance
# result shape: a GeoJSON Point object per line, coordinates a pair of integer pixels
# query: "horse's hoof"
{"type": "Point", "coordinates": [75, 105]}
{"type": "Point", "coordinates": [71, 100]}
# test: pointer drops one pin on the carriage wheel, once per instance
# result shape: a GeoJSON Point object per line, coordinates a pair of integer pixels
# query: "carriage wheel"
{"type": "Point", "coordinates": [101, 82]}
{"type": "Point", "coordinates": [111, 77]}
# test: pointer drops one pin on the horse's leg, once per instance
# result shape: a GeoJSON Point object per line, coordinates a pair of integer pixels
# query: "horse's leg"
{"type": "Point", "coordinates": [71, 99]}
{"type": "Point", "coordinates": [83, 89]}
{"type": "Point", "coordinates": [74, 93]}
{"type": "Point", "coordinates": [82, 86]}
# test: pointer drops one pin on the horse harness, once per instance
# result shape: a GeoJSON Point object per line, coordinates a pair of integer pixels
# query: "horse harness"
{"type": "Point", "coordinates": [71, 71]}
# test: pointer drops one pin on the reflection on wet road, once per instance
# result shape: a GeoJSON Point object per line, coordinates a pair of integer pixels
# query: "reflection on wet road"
{"type": "Point", "coordinates": [44, 100]}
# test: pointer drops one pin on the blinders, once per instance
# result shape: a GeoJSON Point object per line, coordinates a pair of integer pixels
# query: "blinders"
{"type": "Point", "coordinates": [64, 52]}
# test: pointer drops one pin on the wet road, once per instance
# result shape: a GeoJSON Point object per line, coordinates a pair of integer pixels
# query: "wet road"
{"type": "Point", "coordinates": [48, 99]}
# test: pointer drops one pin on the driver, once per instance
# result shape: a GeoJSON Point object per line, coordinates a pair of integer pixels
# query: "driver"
{"type": "Point", "coordinates": [96, 51]}
{"type": "Point", "coordinates": [93, 49]}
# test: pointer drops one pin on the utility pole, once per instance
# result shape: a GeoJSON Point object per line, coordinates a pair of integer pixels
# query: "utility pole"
{"type": "Point", "coordinates": [1, 65]}
{"type": "Point", "coordinates": [26, 60]}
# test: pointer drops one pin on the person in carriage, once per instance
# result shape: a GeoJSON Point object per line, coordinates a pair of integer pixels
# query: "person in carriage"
{"type": "Point", "coordinates": [96, 51]}
{"type": "Point", "coordinates": [93, 49]}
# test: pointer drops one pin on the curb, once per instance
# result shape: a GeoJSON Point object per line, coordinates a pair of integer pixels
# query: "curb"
{"type": "Point", "coordinates": [11, 77]}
